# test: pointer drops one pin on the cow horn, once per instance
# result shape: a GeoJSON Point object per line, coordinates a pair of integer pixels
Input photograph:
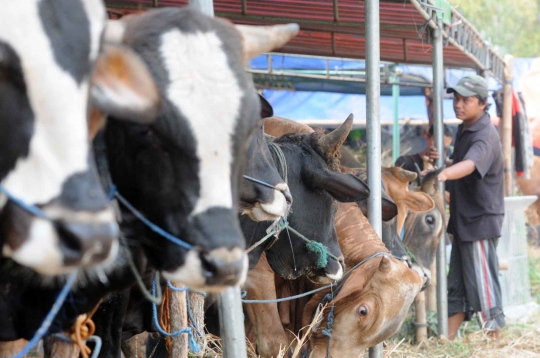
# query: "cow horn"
{"type": "Point", "coordinates": [428, 181]}
{"type": "Point", "coordinates": [385, 264]}
{"type": "Point", "coordinates": [331, 142]}
{"type": "Point", "coordinates": [407, 175]}
{"type": "Point", "coordinates": [262, 39]}
{"type": "Point", "coordinates": [114, 31]}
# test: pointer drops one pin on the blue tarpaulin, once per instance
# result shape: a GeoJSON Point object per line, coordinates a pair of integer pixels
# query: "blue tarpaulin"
{"type": "Point", "coordinates": [318, 104]}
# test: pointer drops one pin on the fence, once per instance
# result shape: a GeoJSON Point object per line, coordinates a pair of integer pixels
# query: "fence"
{"type": "Point", "coordinates": [512, 249]}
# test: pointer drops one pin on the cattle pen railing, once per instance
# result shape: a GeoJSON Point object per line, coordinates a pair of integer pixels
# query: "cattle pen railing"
{"type": "Point", "coordinates": [513, 252]}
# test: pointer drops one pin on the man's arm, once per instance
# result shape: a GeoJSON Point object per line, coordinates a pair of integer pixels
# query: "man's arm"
{"type": "Point", "coordinates": [457, 171]}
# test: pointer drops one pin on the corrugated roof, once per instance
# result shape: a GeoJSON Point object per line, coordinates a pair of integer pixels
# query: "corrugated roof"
{"type": "Point", "coordinates": [336, 28]}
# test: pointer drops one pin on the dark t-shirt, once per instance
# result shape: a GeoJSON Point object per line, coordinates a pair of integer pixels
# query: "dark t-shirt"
{"type": "Point", "coordinates": [477, 200]}
{"type": "Point", "coordinates": [407, 162]}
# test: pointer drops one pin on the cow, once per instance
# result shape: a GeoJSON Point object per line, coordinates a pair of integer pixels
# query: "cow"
{"type": "Point", "coordinates": [423, 230]}
{"type": "Point", "coordinates": [311, 166]}
{"type": "Point", "coordinates": [370, 307]}
{"type": "Point", "coordinates": [258, 201]}
{"type": "Point", "coordinates": [48, 52]}
{"type": "Point", "coordinates": [184, 171]}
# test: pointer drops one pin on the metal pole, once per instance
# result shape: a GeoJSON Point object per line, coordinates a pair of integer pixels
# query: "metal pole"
{"type": "Point", "coordinates": [438, 74]}
{"type": "Point", "coordinates": [206, 6]}
{"type": "Point", "coordinates": [487, 68]}
{"type": "Point", "coordinates": [506, 126]}
{"type": "Point", "coordinates": [396, 140]}
{"type": "Point", "coordinates": [231, 317]}
{"type": "Point", "coordinates": [373, 91]}
{"type": "Point", "coordinates": [231, 323]}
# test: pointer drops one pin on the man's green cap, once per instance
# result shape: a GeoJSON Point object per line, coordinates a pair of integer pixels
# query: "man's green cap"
{"type": "Point", "coordinates": [470, 86]}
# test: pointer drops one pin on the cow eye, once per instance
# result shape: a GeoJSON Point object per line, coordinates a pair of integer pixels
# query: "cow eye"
{"type": "Point", "coordinates": [430, 220]}
{"type": "Point", "coordinates": [363, 311]}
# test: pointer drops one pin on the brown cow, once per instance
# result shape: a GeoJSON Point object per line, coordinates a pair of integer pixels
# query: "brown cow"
{"type": "Point", "coordinates": [423, 230]}
{"type": "Point", "coordinates": [369, 308]}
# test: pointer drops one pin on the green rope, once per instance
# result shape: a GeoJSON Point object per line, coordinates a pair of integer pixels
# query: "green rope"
{"type": "Point", "coordinates": [321, 251]}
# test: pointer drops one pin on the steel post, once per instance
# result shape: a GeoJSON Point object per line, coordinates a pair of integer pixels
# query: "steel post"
{"type": "Point", "coordinates": [438, 130]}
{"type": "Point", "coordinates": [396, 140]}
{"type": "Point", "coordinates": [231, 323]}
{"type": "Point", "coordinates": [206, 6]}
{"type": "Point", "coordinates": [373, 91]}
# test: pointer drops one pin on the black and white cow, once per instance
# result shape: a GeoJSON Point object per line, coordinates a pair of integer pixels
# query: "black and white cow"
{"type": "Point", "coordinates": [184, 171]}
{"type": "Point", "coordinates": [48, 50]}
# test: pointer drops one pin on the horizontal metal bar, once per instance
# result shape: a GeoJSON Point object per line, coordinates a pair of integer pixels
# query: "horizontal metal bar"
{"type": "Point", "coordinates": [334, 78]}
{"type": "Point", "coordinates": [330, 123]}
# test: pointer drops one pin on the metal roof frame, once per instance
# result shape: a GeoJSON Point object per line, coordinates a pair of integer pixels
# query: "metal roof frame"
{"type": "Point", "coordinates": [336, 28]}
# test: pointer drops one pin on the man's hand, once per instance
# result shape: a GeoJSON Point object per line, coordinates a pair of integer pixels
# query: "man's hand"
{"type": "Point", "coordinates": [443, 176]}
{"type": "Point", "coordinates": [425, 172]}
{"type": "Point", "coordinates": [433, 154]}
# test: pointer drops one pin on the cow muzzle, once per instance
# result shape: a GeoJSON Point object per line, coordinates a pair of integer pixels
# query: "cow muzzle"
{"type": "Point", "coordinates": [214, 270]}
{"type": "Point", "coordinates": [275, 208]}
{"type": "Point", "coordinates": [332, 272]}
{"type": "Point", "coordinates": [53, 247]}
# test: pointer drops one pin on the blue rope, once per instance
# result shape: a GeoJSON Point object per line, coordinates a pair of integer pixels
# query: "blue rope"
{"type": "Point", "coordinates": [290, 298]}
{"type": "Point", "coordinates": [193, 346]}
{"type": "Point", "coordinates": [95, 339]}
{"type": "Point", "coordinates": [45, 325]}
{"type": "Point", "coordinates": [332, 285]}
{"type": "Point", "coordinates": [32, 209]}
{"type": "Point", "coordinates": [150, 224]}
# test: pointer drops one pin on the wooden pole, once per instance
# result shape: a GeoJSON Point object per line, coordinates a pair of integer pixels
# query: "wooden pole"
{"type": "Point", "coordinates": [420, 307]}
{"type": "Point", "coordinates": [507, 126]}
{"type": "Point", "coordinates": [431, 290]}
{"type": "Point", "coordinates": [178, 320]}
{"type": "Point", "coordinates": [196, 301]}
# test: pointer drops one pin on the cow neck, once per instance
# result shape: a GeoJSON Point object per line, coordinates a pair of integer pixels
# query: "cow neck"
{"type": "Point", "coordinates": [357, 238]}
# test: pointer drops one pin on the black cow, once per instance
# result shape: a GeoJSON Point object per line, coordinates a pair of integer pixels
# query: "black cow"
{"type": "Point", "coordinates": [48, 50]}
{"type": "Point", "coordinates": [261, 202]}
{"type": "Point", "coordinates": [311, 165]}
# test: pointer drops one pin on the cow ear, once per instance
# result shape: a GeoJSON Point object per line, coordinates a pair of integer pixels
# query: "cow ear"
{"type": "Point", "coordinates": [418, 201]}
{"type": "Point", "coordinates": [345, 188]}
{"type": "Point", "coordinates": [266, 108]}
{"type": "Point", "coordinates": [123, 87]}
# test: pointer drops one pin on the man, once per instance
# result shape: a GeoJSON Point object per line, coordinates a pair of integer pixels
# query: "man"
{"type": "Point", "coordinates": [476, 211]}
{"type": "Point", "coordinates": [430, 152]}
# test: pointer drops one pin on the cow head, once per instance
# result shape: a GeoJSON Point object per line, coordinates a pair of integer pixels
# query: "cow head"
{"type": "Point", "coordinates": [315, 183]}
{"type": "Point", "coordinates": [423, 230]}
{"type": "Point", "coordinates": [48, 50]}
{"type": "Point", "coordinates": [370, 308]}
{"type": "Point", "coordinates": [260, 202]}
{"type": "Point", "coordinates": [396, 183]}
{"type": "Point", "coordinates": [184, 171]}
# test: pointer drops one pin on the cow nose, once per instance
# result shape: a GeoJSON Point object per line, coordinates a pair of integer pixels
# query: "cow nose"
{"type": "Point", "coordinates": [85, 244]}
{"type": "Point", "coordinates": [288, 197]}
{"type": "Point", "coordinates": [334, 269]}
{"type": "Point", "coordinates": [224, 267]}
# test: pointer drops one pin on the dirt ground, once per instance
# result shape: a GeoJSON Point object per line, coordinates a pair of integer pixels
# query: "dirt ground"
{"type": "Point", "coordinates": [517, 340]}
